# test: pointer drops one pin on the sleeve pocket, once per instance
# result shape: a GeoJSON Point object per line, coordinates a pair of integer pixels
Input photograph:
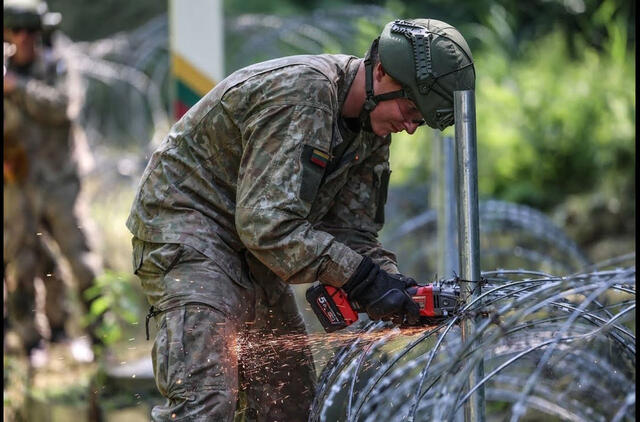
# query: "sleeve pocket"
{"type": "Point", "coordinates": [314, 163]}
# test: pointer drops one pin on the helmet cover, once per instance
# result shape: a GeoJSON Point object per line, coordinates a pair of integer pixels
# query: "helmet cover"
{"type": "Point", "coordinates": [24, 13]}
{"type": "Point", "coordinates": [431, 60]}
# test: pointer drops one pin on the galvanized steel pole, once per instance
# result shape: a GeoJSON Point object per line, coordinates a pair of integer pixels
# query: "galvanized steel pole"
{"type": "Point", "coordinates": [446, 205]}
{"type": "Point", "coordinates": [469, 233]}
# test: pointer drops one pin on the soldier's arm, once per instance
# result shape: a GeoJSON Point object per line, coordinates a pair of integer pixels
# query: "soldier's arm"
{"type": "Point", "coordinates": [358, 211]}
{"type": "Point", "coordinates": [42, 102]}
{"type": "Point", "coordinates": [279, 176]}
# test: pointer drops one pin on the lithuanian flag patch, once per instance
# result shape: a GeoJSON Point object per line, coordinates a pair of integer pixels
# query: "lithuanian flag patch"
{"type": "Point", "coordinates": [319, 158]}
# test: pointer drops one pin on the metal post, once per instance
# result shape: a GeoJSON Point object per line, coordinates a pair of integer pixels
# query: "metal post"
{"type": "Point", "coordinates": [469, 234]}
{"type": "Point", "coordinates": [446, 204]}
{"type": "Point", "coordinates": [437, 198]}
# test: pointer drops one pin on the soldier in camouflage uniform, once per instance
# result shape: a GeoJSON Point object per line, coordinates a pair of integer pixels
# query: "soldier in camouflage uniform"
{"type": "Point", "coordinates": [278, 176]}
{"type": "Point", "coordinates": [41, 181]}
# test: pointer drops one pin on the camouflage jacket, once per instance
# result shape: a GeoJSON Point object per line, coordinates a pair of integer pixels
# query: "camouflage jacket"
{"type": "Point", "coordinates": [264, 163]}
{"type": "Point", "coordinates": [37, 123]}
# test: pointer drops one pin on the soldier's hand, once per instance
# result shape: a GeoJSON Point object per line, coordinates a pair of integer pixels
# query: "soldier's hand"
{"type": "Point", "coordinates": [382, 295]}
{"type": "Point", "coordinates": [408, 281]}
{"type": "Point", "coordinates": [10, 82]}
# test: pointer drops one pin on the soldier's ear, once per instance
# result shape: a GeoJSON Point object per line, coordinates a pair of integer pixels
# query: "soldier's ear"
{"type": "Point", "coordinates": [378, 72]}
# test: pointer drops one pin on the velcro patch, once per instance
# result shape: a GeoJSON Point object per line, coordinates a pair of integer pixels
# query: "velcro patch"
{"type": "Point", "coordinates": [319, 158]}
{"type": "Point", "coordinates": [315, 163]}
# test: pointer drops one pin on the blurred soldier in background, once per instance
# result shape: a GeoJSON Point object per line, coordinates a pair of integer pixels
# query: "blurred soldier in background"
{"type": "Point", "coordinates": [41, 182]}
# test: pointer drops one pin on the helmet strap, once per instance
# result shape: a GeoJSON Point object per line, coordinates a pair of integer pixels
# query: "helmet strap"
{"type": "Point", "coordinates": [371, 100]}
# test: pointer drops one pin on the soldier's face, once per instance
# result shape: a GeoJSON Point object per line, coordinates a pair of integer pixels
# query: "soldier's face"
{"type": "Point", "coordinates": [25, 40]}
{"type": "Point", "coordinates": [395, 115]}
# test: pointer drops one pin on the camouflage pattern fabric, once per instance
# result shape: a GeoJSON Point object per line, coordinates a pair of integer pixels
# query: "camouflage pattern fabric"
{"type": "Point", "coordinates": [43, 128]}
{"type": "Point", "coordinates": [44, 195]}
{"type": "Point", "coordinates": [252, 167]}
{"type": "Point", "coordinates": [21, 257]}
{"type": "Point", "coordinates": [263, 179]}
{"type": "Point", "coordinates": [205, 354]}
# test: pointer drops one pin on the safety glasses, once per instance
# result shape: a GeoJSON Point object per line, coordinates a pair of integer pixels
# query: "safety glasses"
{"type": "Point", "coordinates": [410, 112]}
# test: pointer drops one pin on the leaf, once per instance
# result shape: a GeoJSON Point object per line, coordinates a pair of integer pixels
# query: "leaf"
{"type": "Point", "coordinates": [99, 306]}
{"type": "Point", "coordinates": [92, 292]}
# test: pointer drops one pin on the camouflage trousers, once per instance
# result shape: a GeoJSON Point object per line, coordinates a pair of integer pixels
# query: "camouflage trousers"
{"type": "Point", "coordinates": [36, 295]}
{"type": "Point", "coordinates": [217, 338]}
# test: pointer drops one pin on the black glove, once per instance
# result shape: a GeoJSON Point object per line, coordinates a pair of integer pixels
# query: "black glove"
{"type": "Point", "coordinates": [382, 295]}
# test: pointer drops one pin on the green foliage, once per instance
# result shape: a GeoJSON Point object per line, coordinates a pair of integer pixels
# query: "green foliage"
{"type": "Point", "coordinates": [115, 303]}
{"type": "Point", "coordinates": [368, 30]}
{"type": "Point", "coordinates": [549, 125]}
{"type": "Point", "coordinates": [410, 157]}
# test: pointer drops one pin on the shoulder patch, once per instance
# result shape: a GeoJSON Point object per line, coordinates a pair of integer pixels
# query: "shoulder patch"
{"type": "Point", "coordinates": [314, 163]}
{"type": "Point", "coordinates": [319, 158]}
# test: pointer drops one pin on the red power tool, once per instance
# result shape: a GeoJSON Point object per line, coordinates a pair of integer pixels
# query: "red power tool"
{"type": "Point", "coordinates": [335, 312]}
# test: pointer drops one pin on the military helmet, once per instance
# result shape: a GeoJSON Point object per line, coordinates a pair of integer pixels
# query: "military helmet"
{"type": "Point", "coordinates": [24, 13]}
{"type": "Point", "coordinates": [430, 59]}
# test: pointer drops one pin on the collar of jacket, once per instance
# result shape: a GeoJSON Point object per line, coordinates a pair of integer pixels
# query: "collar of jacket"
{"type": "Point", "coordinates": [345, 82]}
